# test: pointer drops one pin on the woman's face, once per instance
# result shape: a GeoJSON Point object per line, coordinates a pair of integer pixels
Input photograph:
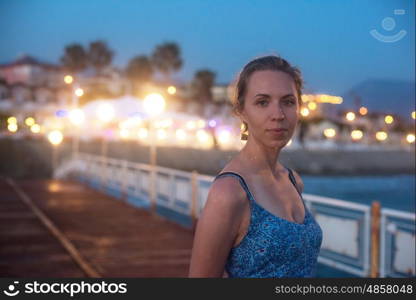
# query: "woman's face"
{"type": "Point", "coordinates": [271, 102]}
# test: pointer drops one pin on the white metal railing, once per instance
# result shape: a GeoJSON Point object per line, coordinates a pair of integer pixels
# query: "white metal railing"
{"type": "Point", "coordinates": [397, 243]}
{"type": "Point", "coordinates": [346, 233]}
{"type": "Point", "coordinates": [181, 196]}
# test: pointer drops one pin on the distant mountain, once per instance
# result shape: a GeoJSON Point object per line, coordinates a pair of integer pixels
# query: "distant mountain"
{"type": "Point", "coordinates": [382, 95]}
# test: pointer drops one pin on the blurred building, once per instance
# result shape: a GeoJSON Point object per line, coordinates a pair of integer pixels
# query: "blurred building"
{"type": "Point", "coordinates": [320, 106]}
{"type": "Point", "coordinates": [32, 72]}
{"type": "Point", "coordinates": [4, 89]}
{"type": "Point", "coordinates": [30, 81]}
{"type": "Point", "coordinates": [109, 81]}
{"type": "Point", "coordinates": [222, 93]}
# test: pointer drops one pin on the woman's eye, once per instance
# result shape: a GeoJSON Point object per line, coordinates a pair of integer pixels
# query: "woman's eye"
{"type": "Point", "coordinates": [290, 102]}
{"type": "Point", "coordinates": [262, 102]}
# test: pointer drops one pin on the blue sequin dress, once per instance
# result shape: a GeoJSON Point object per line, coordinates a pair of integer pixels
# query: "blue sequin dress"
{"type": "Point", "coordinates": [273, 246]}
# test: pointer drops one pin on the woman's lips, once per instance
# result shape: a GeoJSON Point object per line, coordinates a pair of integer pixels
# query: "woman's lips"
{"type": "Point", "coordinates": [277, 131]}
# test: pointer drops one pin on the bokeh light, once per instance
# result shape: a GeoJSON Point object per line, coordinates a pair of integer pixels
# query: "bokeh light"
{"type": "Point", "coordinates": [304, 112]}
{"type": "Point", "coordinates": [224, 136]}
{"type": "Point", "coordinates": [154, 104]}
{"type": "Point", "coordinates": [55, 137]}
{"type": "Point", "coordinates": [388, 119]}
{"type": "Point", "coordinates": [12, 127]}
{"type": "Point", "coordinates": [350, 116]}
{"type": "Point", "coordinates": [312, 105]}
{"type": "Point", "coordinates": [356, 134]}
{"type": "Point", "coordinates": [363, 110]}
{"type": "Point", "coordinates": [29, 121]}
{"type": "Point", "coordinates": [171, 90]}
{"type": "Point", "coordinates": [202, 136]}
{"type": "Point", "coordinates": [329, 132]}
{"type": "Point", "coordinates": [35, 128]}
{"type": "Point", "coordinates": [68, 79]}
{"type": "Point", "coordinates": [124, 133]}
{"type": "Point", "coordinates": [212, 123]}
{"type": "Point", "coordinates": [79, 92]}
{"type": "Point", "coordinates": [11, 120]}
{"type": "Point", "coordinates": [381, 135]}
{"type": "Point", "coordinates": [76, 116]}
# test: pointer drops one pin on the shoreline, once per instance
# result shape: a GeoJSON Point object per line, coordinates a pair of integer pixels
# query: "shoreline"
{"type": "Point", "coordinates": [308, 162]}
{"type": "Point", "coordinates": [32, 159]}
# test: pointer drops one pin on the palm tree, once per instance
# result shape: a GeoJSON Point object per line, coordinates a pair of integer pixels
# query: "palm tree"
{"type": "Point", "coordinates": [167, 58]}
{"type": "Point", "coordinates": [202, 84]}
{"type": "Point", "coordinates": [74, 58]}
{"type": "Point", "coordinates": [139, 70]}
{"type": "Point", "coordinates": [99, 55]}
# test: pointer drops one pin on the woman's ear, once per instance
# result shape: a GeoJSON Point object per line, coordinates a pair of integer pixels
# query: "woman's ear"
{"type": "Point", "coordinates": [242, 116]}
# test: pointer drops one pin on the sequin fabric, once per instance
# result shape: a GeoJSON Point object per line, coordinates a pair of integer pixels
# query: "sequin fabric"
{"type": "Point", "coordinates": [273, 246]}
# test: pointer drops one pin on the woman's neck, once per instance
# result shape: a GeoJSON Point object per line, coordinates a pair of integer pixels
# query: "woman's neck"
{"type": "Point", "coordinates": [260, 159]}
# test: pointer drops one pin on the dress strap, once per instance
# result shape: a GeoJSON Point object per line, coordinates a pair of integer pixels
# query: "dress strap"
{"type": "Point", "coordinates": [245, 186]}
{"type": "Point", "coordinates": [293, 180]}
{"type": "Point", "coordinates": [242, 182]}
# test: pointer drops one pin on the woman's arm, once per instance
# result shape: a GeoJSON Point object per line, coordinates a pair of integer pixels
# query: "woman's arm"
{"type": "Point", "coordinates": [217, 228]}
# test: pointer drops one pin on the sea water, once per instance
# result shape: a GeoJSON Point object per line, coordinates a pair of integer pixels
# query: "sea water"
{"type": "Point", "coordinates": [395, 192]}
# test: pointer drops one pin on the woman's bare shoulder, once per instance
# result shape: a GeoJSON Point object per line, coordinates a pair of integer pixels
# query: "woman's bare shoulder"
{"type": "Point", "coordinates": [227, 189]}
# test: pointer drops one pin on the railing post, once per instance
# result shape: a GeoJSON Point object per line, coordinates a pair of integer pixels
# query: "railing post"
{"type": "Point", "coordinates": [171, 189]}
{"type": "Point", "coordinates": [104, 150]}
{"type": "Point", "coordinates": [153, 165]}
{"type": "Point", "coordinates": [123, 186]}
{"type": "Point", "coordinates": [194, 197]}
{"type": "Point", "coordinates": [375, 239]}
{"type": "Point", "coordinates": [54, 160]}
{"type": "Point", "coordinates": [153, 187]}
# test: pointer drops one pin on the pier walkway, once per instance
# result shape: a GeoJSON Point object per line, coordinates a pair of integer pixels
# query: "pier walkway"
{"type": "Point", "coordinates": [60, 228]}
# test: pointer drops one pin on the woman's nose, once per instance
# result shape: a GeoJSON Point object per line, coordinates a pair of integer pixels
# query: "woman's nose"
{"type": "Point", "coordinates": [277, 112]}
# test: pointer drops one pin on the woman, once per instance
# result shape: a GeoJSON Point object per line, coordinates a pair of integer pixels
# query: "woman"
{"type": "Point", "coordinates": [255, 223]}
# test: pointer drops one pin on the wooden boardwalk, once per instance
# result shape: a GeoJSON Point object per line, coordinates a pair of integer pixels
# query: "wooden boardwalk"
{"type": "Point", "coordinates": [111, 237]}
